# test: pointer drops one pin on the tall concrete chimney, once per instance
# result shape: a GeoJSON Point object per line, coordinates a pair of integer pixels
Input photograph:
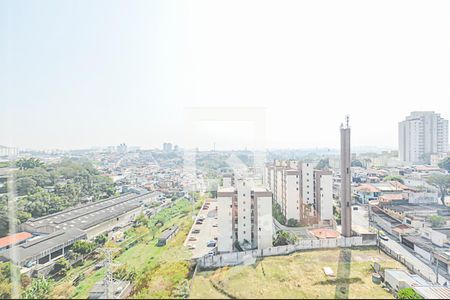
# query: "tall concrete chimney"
{"type": "Point", "coordinates": [346, 180]}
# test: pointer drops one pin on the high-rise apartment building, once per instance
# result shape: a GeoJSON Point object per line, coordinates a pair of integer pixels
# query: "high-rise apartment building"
{"type": "Point", "coordinates": [301, 191]}
{"type": "Point", "coordinates": [421, 134]}
{"type": "Point", "coordinates": [167, 147]}
{"type": "Point", "coordinates": [244, 217]}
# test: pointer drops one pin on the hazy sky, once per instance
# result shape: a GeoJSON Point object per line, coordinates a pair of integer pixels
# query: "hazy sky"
{"type": "Point", "coordinates": [77, 74]}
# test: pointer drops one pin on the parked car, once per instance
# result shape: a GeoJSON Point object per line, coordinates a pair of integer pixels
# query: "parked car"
{"type": "Point", "coordinates": [211, 243]}
{"type": "Point", "coordinates": [196, 231]}
{"type": "Point", "coordinates": [199, 222]}
{"type": "Point", "coordinates": [215, 225]}
{"type": "Point", "coordinates": [384, 238]}
{"type": "Point", "coordinates": [192, 239]}
{"type": "Point", "coordinates": [191, 247]}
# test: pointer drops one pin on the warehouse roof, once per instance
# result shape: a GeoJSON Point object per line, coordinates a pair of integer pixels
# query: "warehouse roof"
{"type": "Point", "coordinates": [14, 239]}
{"type": "Point", "coordinates": [43, 244]}
{"type": "Point", "coordinates": [88, 215]}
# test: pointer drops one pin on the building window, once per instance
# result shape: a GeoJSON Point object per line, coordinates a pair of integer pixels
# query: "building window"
{"type": "Point", "coordinates": [297, 189]}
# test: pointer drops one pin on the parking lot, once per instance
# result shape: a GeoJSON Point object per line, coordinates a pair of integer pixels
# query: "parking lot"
{"type": "Point", "coordinates": [201, 234]}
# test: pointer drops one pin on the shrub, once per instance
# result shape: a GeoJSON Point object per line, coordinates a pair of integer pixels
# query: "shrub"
{"type": "Point", "coordinates": [408, 293]}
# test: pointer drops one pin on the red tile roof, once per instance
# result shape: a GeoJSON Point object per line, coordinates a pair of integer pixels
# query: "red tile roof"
{"type": "Point", "coordinates": [14, 239]}
{"type": "Point", "coordinates": [324, 233]}
{"type": "Point", "coordinates": [367, 188]}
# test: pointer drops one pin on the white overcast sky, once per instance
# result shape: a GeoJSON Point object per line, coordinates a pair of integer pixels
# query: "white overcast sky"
{"type": "Point", "coordinates": [94, 73]}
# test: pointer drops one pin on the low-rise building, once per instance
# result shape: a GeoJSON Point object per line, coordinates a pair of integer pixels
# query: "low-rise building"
{"type": "Point", "coordinates": [55, 233]}
{"type": "Point", "coordinates": [167, 235]}
{"type": "Point", "coordinates": [14, 239]}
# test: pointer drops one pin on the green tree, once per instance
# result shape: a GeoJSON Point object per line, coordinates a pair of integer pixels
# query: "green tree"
{"type": "Point", "coordinates": [437, 221]}
{"type": "Point", "coordinates": [124, 272]}
{"type": "Point", "coordinates": [323, 164]}
{"type": "Point", "coordinates": [62, 266]}
{"type": "Point", "coordinates": [356, 163]}
{"type": "Point", "coordinates": [394, 178]}
{"type": "Point", "coordinates": [25, 186]}
{"type": "Point", "coordinates": [292, 222]}
{"type": "Point", "coordinates": [101, 239]}
{"type": "Point", "coordinates": [408, 293]}
{"type": "Point", "coordinates": [29, 163]}
{"type": "Point", "coordinates": [141, 219]}
{"type": "Point", "coordinates": [83, 247]}
{"type": "Point", "coordinates": [6, 272]}
{"type": "Point", "coordinates": [445, 164]}
{"type": "Point", "coordinates": [153, 229]}
{"type": "Point", "coordinates": [284, 238]}
{"type": "Point", "coordinates": [277, 214]}
{"type": "Point", "coordinates": [39, 289]}
{"type": "Point", "coordinates": [442, 182]}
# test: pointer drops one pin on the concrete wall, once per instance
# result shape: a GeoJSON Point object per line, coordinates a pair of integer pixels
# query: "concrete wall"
{"type": "Point", "coordinates": [236, 258]}
{"type": "Point", "coordinates": [422, 252]}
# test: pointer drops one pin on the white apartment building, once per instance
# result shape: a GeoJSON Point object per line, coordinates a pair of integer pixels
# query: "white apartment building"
{"type": "Point", "coordinates": [323, 194]}
{"type": "Point", "coordinates": [422, 133]}
{"type": "Point", "coordinates": [228, 180]}
{"type": "Point", "coordinates": [308, 183]}
{"type": "Point", "coordinates": [244, 216]}
{"type": "Point", "coordinates": [302, 191]}
{"type": "Point", "coordinates": [291, 203]}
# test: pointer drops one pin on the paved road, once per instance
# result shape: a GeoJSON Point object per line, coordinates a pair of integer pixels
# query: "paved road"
{"type": "Point", "coordinates": [360, 217]}
{"type": "Point", "coordinates": [299, 231]}
{"type": "Point", "coordinates": [425, 269]}
{"type": "Point", "coordinates": [207, 231]}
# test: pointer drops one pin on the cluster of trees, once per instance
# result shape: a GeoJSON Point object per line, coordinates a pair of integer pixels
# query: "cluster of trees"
{"type": "Point", "coordinates": [445, 164]}
{"type": "Point", "coordinates": [277, 214]}
{"type": "Point", "coordinates": [437, 221]}
{"type": "Point", "coordinates": [46, 189]}
{"type": "Point", "coordinates": [7, 272]}
{"type": "Point", "coordinates": [442, 182]}
{"type": "Point", "coordinates": [283, 238]}
{"type": "Point", "coordinates": [394, 178]}
{"type": "Point", "coordinates": [323, 164]}
{"type": "Point", "coordinates": [83, 247]}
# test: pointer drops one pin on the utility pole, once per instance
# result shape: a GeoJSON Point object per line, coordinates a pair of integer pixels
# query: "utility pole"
{"type": "Point", "coordinates": [108, 282]}
{"type": "Point", "coordinates": [12, 217]}
{"type": "Point", "coordinates": [437, 266]}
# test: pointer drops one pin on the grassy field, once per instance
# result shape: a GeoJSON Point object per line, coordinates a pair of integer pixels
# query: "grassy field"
{"type": "Point", "coordinates": [299, 275]}
{"type": "Point", "coordinates": [149, 262]}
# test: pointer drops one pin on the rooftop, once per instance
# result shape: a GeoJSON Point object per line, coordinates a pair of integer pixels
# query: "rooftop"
{"type": "Point", "coordinates": [88, 215]}
{"type": "Point", "coordinates": [14, 239]}
{"type": "Point", "coordinates": [168, 232]}
{"type": "Point", "coordinates": [43, 244]}
{"type": "Point", "coordinates": [433, 292]}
